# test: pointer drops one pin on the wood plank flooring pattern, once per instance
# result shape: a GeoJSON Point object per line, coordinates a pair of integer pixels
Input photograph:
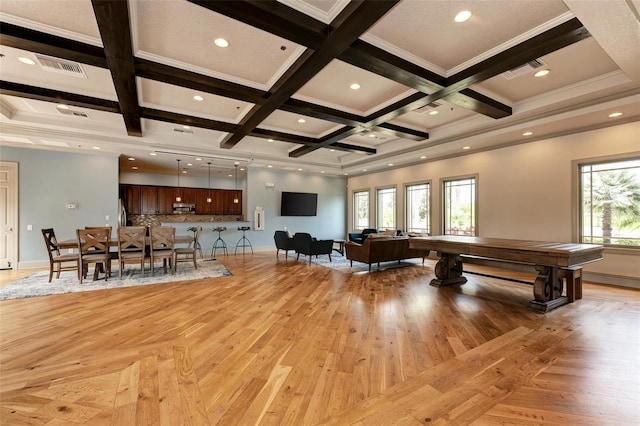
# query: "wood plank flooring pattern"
{"type": "Point", "coordinates": [286, 343]}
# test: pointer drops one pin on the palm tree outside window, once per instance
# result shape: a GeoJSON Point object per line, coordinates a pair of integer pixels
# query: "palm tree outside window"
{"type": "Point", "coordinates": [610, 203]}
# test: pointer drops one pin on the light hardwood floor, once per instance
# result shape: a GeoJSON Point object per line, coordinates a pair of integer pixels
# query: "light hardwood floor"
{"type": "Point", "coordinates": [287, 343]}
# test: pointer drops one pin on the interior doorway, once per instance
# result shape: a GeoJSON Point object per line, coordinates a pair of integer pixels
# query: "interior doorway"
{"type": "Point", "coordinates": [8, 215]}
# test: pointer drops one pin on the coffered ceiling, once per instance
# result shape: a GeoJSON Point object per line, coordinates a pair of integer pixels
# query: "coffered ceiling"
{"type": "Point", "coordinates": [123, 77]}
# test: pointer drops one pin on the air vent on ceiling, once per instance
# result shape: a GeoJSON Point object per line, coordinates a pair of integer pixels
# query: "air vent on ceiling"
{"type": "Point", "coordinates": [49, 63]}
{"type": "Point", "coordinates": [427, 108]}
{"type": "Point", "coordinates": [184, 131]}
{"type": "Point", "coordinates": [523, 69]}
{"type": "Point", "coordinates": [72, 113]}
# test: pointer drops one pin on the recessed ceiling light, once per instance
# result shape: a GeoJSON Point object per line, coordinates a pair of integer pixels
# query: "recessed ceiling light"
{"type": "Point", "coordinates": [346, 174]}
{"type": "Point", "coordinates": [371, 135]}
{"type": "Point", "coordinates": [62, 106]}
{"type": "Point", "coordinates": [433, 112]}
{"type": "Point", "coordinates": [184, 172]}
{"type": "Point", "coordinates": [269, 166]}
{"type": "Point", "coordinates": [26, 60]}
{"type": "Point", "coordinates": [542, 73]}
{"type": "Point", "coordinates": [269, 140]}
{"type": "Point", "coordinates": [153, 153]}
{"type": "Point", "coordinates": [221, 42]}
{"type": "Point", "coordinates": [321, 171]}
{"type": "Point", "coordinates": [134, 168]}
{"type": "Point", "coordinates": [364, 170]}
{"type": "Point", "coordinates": [198, 98]}
{"type": "Point", "coordinates": [186, 127]}
{"type": "Point", "coordinates": [332, 150]}
{"type": "Point", "coordinates": [131, 159]}
{"type": "Point", "coordinates": [198, 159]}
{"type": "Point", "coordinates": [462, 16]}
{"type": "Point", "coordinates": [96, 147]}
{"type": "Point", "coordinates": [355, 86]}
{"type": "Point", "coordinates": [466, 147]}
{"type": "Point", "coordinates": [301, 120]}
{"type": "Point", "coordinates": [189, 164]}
{"type": "Point", "coordinates": [242, 168]}
{"type": "Point", "coordinates": [299, 170]}
{"type": "Point", "coordinates": [230, 175]}
{"type": "Point", "coordinates": [390, 164]}
{"type": "Point", "coordinates": [422, 157]}
{"type": "Point", "coordinates": [527, 134]}
{"type": "Point", "coordinates": [615, 114]}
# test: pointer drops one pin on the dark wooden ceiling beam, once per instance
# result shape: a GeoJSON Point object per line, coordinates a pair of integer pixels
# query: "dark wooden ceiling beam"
{"type": "Point", "coordinates": [186, 120]}
{"type": "Point", "coordinates": [354, 19]}
{"type": "Point", "coordinates": [49, 95]}
{"type": "Point", "coordinates": [547, 42]}
{"type": "Point", "coordinates": [311, 142]}
{"type": "Point", "coordinates": [113, 22]}
{"type": "Point", "coordinates": [378, 61]}
{"type": "Point", "coordinates": [51, 45]}
{"type": "Point", "coordinates": [274, 18]}
{"type": "Point", "coordinates": [191, 80]}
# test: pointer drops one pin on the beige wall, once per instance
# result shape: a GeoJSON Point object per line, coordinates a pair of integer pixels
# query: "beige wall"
{"type": "Point", "coordinates": [524, 191]}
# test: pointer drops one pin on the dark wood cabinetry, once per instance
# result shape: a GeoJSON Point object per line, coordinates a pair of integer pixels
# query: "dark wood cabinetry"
{"type": "Point", "coordinates": [166, 198]}
{"type": "Point", "coordinates": [147, 199]}
{"type": "Point", "coordinates": [130, 195]}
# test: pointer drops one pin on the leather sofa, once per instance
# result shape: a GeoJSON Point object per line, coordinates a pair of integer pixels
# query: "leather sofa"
{"type": "Point", "coordinates": [381, 249]}
{"type": "Point", "coordinates": [359, 237]}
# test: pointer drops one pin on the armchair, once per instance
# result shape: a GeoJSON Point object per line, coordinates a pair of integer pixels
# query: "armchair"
{"type": "Point", "coordinates": [359, 237]}
{"type": "Point", "coordinates": [304, 243]}
{"type": "Point", "coordinates": [283, 242]}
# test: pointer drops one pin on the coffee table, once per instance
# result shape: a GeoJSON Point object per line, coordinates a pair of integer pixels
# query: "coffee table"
{"type": "Point", "coordinates": [340, 248]}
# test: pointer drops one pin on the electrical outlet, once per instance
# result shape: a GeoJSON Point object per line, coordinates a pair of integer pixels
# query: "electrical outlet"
{"type": "Point", "coordinates": [107, 217]}
{"type": "Point", "coordinates": [29, 227]}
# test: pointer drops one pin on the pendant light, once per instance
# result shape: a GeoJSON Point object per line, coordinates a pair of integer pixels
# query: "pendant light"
{"type": "Point", "coordinates": [178, 198]}
{"type": "Point", "coordinates": [209, 197]}
{"type": "Point", "coordinates": [235, 198]}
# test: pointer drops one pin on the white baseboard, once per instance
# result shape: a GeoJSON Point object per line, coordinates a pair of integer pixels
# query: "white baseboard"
{"type": "Point", "coordinates": [618, 280]}
{"type": "Point", "coordinates": [33, 264]}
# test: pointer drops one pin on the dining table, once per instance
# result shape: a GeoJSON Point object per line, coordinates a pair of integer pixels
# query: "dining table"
{"type": "Point", "coordinates": [73, 243]}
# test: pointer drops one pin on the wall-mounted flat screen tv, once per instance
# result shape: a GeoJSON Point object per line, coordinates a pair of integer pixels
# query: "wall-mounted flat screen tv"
{"type": "Point", "coordinates": [298, 204]}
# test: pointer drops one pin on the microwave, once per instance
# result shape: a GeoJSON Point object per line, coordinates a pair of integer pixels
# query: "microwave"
{"type": "Point", "coordinates": [184, 208]}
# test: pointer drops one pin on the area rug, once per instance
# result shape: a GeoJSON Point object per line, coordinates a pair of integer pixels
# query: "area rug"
{"type": "Point", "coordinates": [343, 264]}
{"type": "Point", "coordinates": [37, 284]}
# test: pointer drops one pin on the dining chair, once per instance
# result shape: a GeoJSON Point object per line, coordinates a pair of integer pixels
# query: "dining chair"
{"type": "Point", "coordinates": [131, 247]}
{"type": "Point", "coordinates": [93, 247]}
{"type": "Point", "coordinates": [58, 262]}
{"type": "Point", "coordinates": [162, 246]}
{"type": "Point", "coordinates": [187, 254]}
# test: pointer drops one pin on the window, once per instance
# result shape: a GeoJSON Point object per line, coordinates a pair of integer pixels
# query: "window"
{"type": "Point", "coordinates": [360, 209]}
{"type": "Point", "coordinates": [610, 202]}
{"type": "Point", "coordinates": [459, 199]}
{"type": "Point", "coordinates": [386, 212]}
{"type": "Point", "coordinates": [418, 208]}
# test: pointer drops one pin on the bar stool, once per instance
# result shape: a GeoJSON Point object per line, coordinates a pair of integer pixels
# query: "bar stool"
{"type": "Point", "coordinates": [219, 243]}
{"type": "Point", "coordinates": [194, 229]}
{"type": "Point", "coordinates": [244, 241]}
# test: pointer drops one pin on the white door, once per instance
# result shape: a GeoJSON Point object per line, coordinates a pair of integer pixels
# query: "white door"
{"type": "Point", "coordinates": [8, 215]}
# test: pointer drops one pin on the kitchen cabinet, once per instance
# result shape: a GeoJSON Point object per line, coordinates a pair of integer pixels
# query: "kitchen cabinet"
{"type": "Point", "coordinates": [130, 195]}
{"type": "Point", "coordinates": [166, 198]}
{"type": "Point", "coordinates": [202, 206]}
{"type": "Point", "coordinates": [229, 206]}
{"type": "Point", "coordinates": [148, 200]}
